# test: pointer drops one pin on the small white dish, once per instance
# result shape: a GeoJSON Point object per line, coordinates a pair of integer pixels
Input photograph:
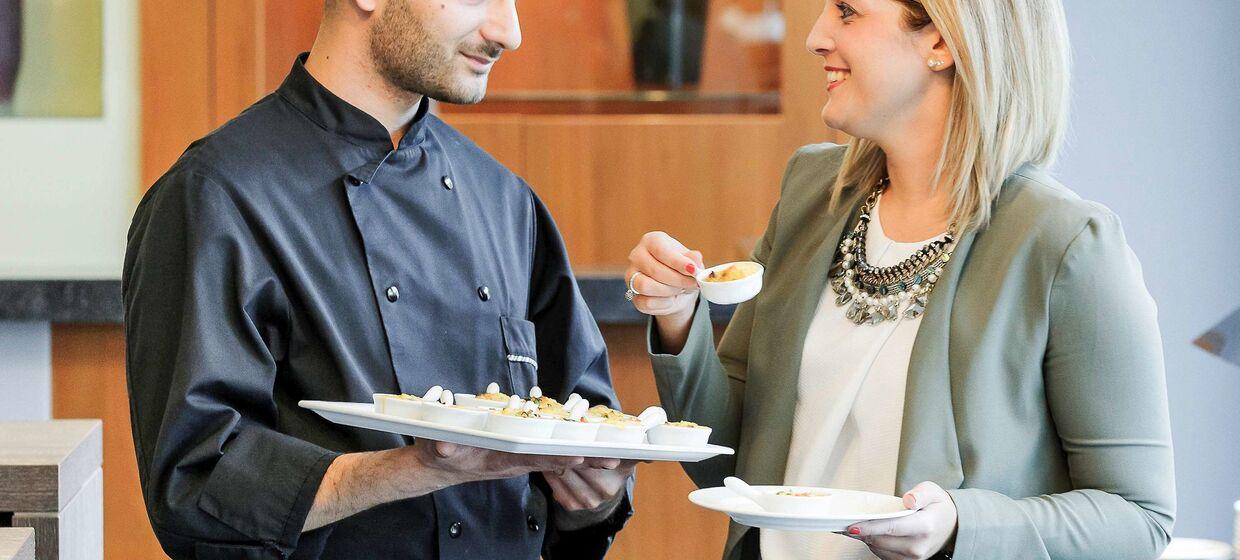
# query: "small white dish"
{"type": "Point", "coordinates": [474, 401]}
{"type": "Point", "coordinates": [454, 415]}
{"type": "Point", "coordinates": [570, 430]}
{"type": "Point", "coordinates": [733, 291]}
{"type": "Point", "coordinates": [410, 408]}
{"type": "Point", "coordinates": [540, 428]}
{"type": "Point", "coordinates": [627, 433]}
{"type": "Point", "coordinates": [668, 434]}
{"type": "Point", "coordinates": [847, 508]}
{"type": "Point", "coordinates": [381, 401]}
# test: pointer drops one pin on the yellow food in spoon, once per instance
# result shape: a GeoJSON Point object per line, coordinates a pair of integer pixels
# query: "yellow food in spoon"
{"type": "Point", "coordinates": [733, 272]}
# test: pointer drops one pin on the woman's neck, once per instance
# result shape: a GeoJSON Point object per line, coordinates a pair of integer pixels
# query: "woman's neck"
{"type": "Point", "coordinates": [914, 207]}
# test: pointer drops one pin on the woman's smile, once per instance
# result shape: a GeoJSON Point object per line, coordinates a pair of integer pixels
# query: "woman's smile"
{"type": "Point", "coordinates": [836, 76]}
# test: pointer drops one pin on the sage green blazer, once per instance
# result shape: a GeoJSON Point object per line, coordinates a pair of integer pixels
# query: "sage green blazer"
{"type": "Point", "coordinates": [1035, 391]}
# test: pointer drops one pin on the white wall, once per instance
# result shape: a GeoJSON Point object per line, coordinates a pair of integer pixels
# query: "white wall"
{"type": "Point", "coordinates": [68, 186]}
{"type": "Point", "coordinates": [1156, 137]}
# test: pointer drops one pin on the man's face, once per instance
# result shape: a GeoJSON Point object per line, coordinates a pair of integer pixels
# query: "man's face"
{"type": "Point", "coordinates": [443, 49]}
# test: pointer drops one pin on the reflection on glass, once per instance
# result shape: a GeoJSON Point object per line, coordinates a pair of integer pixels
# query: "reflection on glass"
{"type": "Point", "coordinates": [641, 56]}
{"type": "Point", "coordinates": [51, 58]}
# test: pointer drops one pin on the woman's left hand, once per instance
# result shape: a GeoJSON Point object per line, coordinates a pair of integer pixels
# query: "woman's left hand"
{"type": "Point", "coordinates": [912, 537]}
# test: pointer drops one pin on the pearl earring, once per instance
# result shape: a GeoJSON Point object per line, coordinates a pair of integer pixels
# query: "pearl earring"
{"type": "Point", "coordinates": [934, 63]}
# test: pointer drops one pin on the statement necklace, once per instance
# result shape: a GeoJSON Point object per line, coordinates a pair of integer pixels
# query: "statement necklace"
{"type": "Point", "coordinates": [875, 294]}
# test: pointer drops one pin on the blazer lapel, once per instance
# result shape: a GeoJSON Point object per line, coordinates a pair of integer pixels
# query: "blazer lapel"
{"type": "Point", "coordinates": [929, 449]}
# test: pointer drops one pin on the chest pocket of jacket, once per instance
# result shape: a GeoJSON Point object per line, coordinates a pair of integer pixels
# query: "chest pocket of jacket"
{"type": "Point", "coordinates": [520, 354]}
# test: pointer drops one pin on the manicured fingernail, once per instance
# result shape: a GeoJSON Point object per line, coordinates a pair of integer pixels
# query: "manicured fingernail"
{"type": "Point", "coordinates": [690, 268]}
{"type": "Point", "coordinates": [854, 531]}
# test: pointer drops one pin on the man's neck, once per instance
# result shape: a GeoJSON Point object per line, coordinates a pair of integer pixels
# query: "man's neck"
{"type": "Point", "coordinates": [351, 76]}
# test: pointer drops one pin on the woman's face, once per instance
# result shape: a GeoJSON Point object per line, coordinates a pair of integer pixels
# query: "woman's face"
{"type": "Point", "coordinates": [876, 68]}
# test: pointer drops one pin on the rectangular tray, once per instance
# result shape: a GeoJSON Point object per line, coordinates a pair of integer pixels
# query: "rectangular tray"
{"type": "Point", "coordinates": [363, 415]}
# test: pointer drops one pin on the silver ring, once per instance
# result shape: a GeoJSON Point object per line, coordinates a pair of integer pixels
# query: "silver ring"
{"type": "Point", "coordinates": [632, 292]}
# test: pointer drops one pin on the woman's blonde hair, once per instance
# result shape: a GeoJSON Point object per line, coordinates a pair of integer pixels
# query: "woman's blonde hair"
{"type": "Point", "coordinates": [1009, 101]}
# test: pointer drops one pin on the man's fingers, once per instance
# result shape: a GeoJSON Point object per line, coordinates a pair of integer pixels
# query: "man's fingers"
{"type": "Point", "coordinates": [444, 450]}
{"type": "Point", "coordinates": [561, 492]}
{"type": "Point", "coordinates": [602, 463]}
{"type": "Point", "coordinates": [586, 488]}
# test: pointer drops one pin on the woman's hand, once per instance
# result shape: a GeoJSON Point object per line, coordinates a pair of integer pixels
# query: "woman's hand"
{"type": "Point", "coordinates": [661, 271]}
{"type": "Point", "coordinates": [914, 537]}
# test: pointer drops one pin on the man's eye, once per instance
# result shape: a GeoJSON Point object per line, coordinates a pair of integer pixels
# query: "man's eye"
{"type": "Point", "coordinates": [845, 10]}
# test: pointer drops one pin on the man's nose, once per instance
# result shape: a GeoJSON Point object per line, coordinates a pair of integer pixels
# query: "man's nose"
{"type": "Point", "coordinates": [502, 26]}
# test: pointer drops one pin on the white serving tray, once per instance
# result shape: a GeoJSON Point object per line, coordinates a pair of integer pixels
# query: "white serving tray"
{"type": "Point", "coordinates": [363, 415]}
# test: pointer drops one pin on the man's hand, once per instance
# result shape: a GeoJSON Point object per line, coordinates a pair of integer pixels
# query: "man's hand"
{"type": "Point", "coordinates": [359, 481]}
{"type": "Point", "coordinates": [590, 492]}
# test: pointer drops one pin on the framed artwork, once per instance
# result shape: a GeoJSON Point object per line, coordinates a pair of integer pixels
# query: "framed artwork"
{"type": "Point", "coordinates": [51, 58]}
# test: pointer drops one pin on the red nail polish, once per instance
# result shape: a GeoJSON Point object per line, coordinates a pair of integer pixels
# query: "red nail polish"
{"type": "Point", "coordinates": [691, 269]}
{"type": "Point", "coordinates": [854, 531]}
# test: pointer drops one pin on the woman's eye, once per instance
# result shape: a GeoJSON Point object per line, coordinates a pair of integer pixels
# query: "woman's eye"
{"type": "Point", "coordinates": [845, 10]}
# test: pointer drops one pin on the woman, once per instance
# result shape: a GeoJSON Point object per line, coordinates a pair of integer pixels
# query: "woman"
{"type": "Point", "coordinates": [941, 319]}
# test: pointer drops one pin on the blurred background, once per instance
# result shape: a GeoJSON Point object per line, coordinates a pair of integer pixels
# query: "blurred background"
{"type": "Point", "coordinates": [625, 116]}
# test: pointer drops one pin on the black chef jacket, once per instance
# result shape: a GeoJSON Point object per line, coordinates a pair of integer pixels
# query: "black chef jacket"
{"type": "Point", "coordinates": [293, 254]}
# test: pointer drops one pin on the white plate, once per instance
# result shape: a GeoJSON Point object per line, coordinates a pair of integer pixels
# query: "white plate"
{"type": "Point", "coordinates": [363, 415]}
{"type": "Point", "coordinates": [743, 511]}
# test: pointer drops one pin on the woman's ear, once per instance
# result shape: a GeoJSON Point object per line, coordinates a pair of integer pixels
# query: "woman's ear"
{"type": "Point", "coordinates": [938, 56]}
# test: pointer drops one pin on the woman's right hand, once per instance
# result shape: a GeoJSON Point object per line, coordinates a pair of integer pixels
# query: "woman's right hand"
{"type": "Point", "coordinates": [661, 270]}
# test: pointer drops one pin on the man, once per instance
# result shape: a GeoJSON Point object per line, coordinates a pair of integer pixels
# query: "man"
{"type": "Point", "coordinates": [335, 241]}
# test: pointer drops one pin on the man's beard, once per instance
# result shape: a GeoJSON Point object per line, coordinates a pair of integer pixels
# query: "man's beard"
{"type": "Point", "coordinates": [405, 55]}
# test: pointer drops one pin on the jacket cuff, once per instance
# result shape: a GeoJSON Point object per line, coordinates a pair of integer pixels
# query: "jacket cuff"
{"type": "Point", "coordinates": [988, 523]}
{"type": "Point", "coordinates": [264, 485]}
{"type": "Point", "coordinates": [593, 541]}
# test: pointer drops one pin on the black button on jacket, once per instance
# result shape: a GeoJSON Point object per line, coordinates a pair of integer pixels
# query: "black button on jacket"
{"type": "Point", "coordinates": [293, 254]}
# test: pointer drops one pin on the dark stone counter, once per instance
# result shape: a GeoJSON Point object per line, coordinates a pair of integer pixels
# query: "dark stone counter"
{"type": "Point", "coordinates": [99, 301]}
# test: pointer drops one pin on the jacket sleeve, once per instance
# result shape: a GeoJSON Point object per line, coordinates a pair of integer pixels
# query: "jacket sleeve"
{"type": "Point", "coordinates": [202, 314]}
{"type": "Point", "coordinates": [572, 356]}
{"type": "Point", "coordinates": [705, 384]}
{"type": "Point", "coordinates": [1107, 394]}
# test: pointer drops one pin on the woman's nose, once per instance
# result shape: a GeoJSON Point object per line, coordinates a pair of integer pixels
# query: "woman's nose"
{"type": "Point", "coordinates": [821, 41]}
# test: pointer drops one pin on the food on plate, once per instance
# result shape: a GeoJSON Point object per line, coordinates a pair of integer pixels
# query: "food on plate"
{"type": "Point", "coordinates": [493, 394]}
{"type": "Point", "coordinates": [804, 494]}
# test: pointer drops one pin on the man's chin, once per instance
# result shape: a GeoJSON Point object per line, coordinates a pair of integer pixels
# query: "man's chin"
{"type": "Point", "coordinates": [469, 92]}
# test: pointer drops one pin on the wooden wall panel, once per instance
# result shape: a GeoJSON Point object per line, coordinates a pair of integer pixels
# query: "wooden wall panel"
{"type": "Point", "coordinates": [666, 524]}
{"type": "Point", "coordinates": [708, 181]}
{"type": "Point", "coordinates": [88, 381]}
{"type": "Point", "coordinates": [177, 81]}
{"type": "Point", "coordinates": [600, 57]}
{"type": "Point", "coordinates": [237, 59]}
{"type": "Point", "coordinates": [289, 29]}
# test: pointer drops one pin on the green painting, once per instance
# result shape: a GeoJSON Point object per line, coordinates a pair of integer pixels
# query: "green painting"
{"type": "Point", "coordinates": [51, 58]}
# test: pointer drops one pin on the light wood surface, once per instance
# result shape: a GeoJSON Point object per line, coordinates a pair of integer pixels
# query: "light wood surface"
{"type": "Point", "coordinates": [16, 543]}
{"type": "Point", "coordinates": [73, 533]}
{"type": "Point", "coordinates": [44, 464]}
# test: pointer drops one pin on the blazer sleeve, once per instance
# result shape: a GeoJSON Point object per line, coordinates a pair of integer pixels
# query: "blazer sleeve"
{"type": "Point", "coordinates": [1106, 390]}
{"type": "Point", "coordinates": [707, 385]}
